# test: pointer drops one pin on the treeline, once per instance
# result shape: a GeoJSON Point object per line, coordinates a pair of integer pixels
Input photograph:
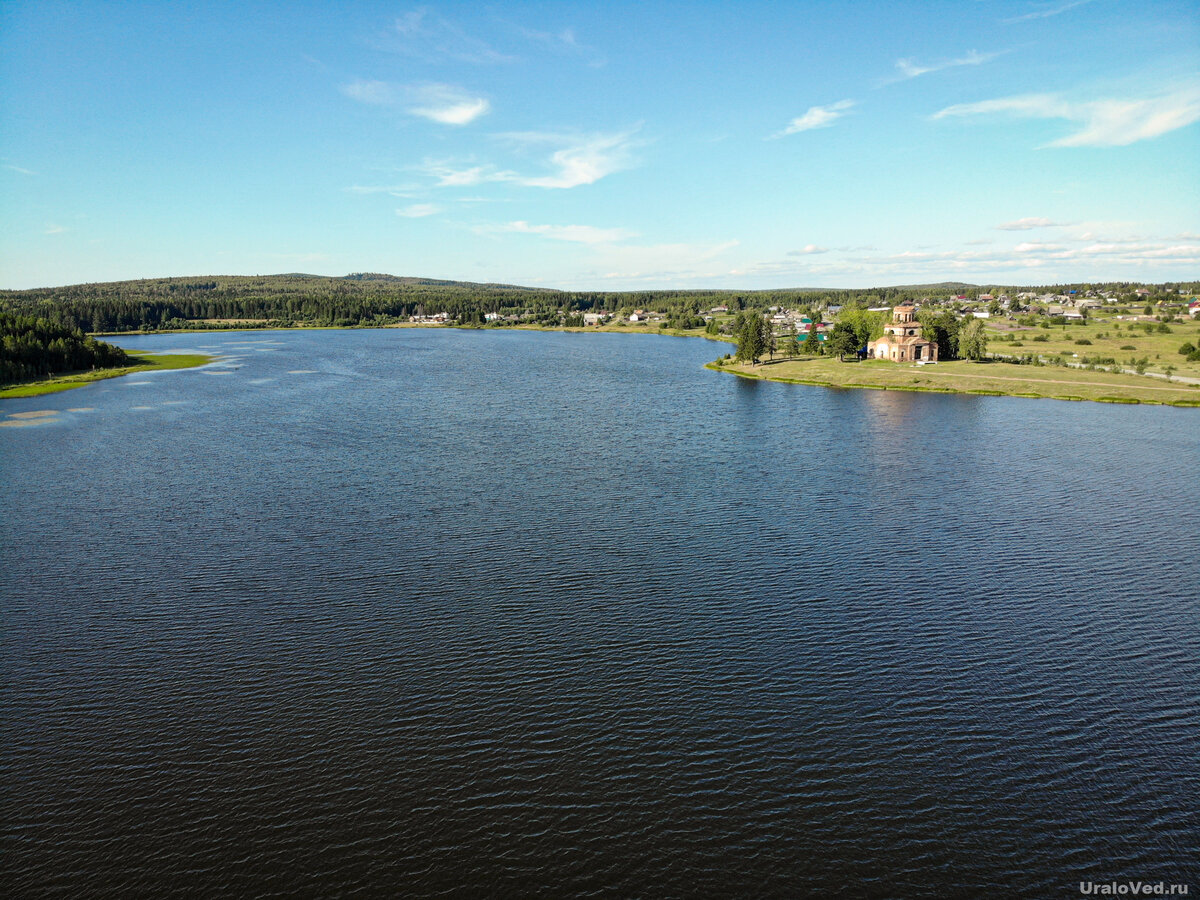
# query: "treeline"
{"type": "Point", "coordinates": [368, 299]}
{"type": "Point", "coordinates": [32, 348]}
{"type": "Point", "coordinates": [854, 329]}
{"type": "Point", "coordinates": [282, 300]}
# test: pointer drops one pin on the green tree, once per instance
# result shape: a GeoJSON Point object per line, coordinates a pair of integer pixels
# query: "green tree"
{"type": "Point", "coordinates": [867, 325]}
{"type": "Point", "coordinates": [942, 329]}
{"type": "Point", "coordinates": [791, 346]}
{"type": "Point", "coordinates": [812, 342]}
{"type": "Point", "coordinates": [842, 340]}
{"type": "Point", "coordinates": [972, 340]}
{"type": "Point", "coordinates": [751, 330]}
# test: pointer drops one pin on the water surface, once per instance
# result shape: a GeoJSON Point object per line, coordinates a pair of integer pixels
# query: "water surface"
{"type": "Point", "coordinates": [495, 613]}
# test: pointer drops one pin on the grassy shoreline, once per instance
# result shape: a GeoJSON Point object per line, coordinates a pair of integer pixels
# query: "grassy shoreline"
{"type": "Point", "coordinates": [990, 378]}
{"type": "Point", "coordinates": [145, 362]}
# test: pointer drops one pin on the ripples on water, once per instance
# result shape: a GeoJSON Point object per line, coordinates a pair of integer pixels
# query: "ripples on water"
{"type": "Point", "coordinates": [458, 613]}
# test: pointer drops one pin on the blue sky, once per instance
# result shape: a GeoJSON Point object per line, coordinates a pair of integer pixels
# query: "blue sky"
{"type": "Point", "coordinates": [603, 146]}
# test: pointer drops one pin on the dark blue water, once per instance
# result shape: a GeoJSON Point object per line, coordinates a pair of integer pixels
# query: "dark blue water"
{"type": "Point", "coordinates": [410, 612]}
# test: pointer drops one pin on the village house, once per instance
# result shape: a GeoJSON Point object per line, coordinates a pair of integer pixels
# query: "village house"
{"type": "Point", "coordinates": [441, 318]}
{"type": "Point", "coordinates": [902, 341]}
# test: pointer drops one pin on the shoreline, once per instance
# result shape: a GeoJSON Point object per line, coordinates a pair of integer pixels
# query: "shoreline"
{"type": "Point", "coordinates": [148, 362]}
{"type": "Point", "coordinates": [994, 378]}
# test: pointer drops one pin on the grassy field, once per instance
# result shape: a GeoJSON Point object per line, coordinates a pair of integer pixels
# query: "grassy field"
{"type": "Point", "coordinates": [1110, 338]}
{"type": "Point", "coordinates": [145, 362]}
{"type": "Point", "coordinates": [962, 377]}
{"type": "Point", "coordinates": [636, 328]}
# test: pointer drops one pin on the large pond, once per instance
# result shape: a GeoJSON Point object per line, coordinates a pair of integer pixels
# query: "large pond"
{"type": "Point", "coordinates": [413, 612]}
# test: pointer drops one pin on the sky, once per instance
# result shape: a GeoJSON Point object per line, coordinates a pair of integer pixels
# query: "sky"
{"type": "Point", "coordinates": [602, 146]}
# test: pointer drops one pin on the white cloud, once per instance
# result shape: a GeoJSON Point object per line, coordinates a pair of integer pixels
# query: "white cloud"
{"type": "Point", "coordinates": [1046, 12]}
{"type": "Point", "coordinates": [1102, 123]}
{"type": "Point", "coordinates": [564, 42]}
{"type": "Point", "coordinates": [19, 169]}
{"type": "Point", "coordinates": [909, 68]}
{"type": "Point", "coordinates": [446, 104]}
{"type": "Point", "coordinates": [396, 190]}
{"type": "Point", "coordinates": [579, 234]}
{"type": "Point", "coordinates": [449, 176]}
{"type": "Point", "coordinates": [1028, 223]}
{"type": "Point", "coordinates": [1041, 261]}
{"type": "Point", "coordinates": [418, 210]}
{"type": "Point", "coordinates": [580, 159]}
{"type": "Point", "coordinates": [817, 117]}
{"type": "Point", "coordinates": [442, 103]}
{"type": "Point", "coordinates": [808, 250]}
{"type": "Point", "coordinates": [379, 93]}
{"type": "Point", "coordinates": [1037, 247]}
{"type": "Point", "coordinates": [55, 229]}
{"type": "Point", "coordinates": [430, 37]}
{"type": "Point", "coordinates": [577, 160]}
{"type": "Point", "coordinates": [660, 263]}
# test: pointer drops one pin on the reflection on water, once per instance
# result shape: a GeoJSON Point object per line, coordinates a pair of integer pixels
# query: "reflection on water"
{"type": "Point", "coordinates": [496, 613]}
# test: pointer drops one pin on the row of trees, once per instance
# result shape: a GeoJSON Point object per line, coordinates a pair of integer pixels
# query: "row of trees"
{"type": "Point", "coordinates": [32, 348]}
{"type": "Point", "coordinates": [855, 328]}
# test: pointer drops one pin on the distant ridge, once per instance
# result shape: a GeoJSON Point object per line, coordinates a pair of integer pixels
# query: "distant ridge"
{"type": "Point", "coordinates": [435, 282]}
{"type": "Point", "coordinates": [176, 282]}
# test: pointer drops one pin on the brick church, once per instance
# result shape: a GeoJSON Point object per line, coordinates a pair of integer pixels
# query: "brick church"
{"type": "Point", "coordinates": [902, 341]}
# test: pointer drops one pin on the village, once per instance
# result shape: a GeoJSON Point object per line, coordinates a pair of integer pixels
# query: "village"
{"type": "Point", "coordinates": [1120, 342]}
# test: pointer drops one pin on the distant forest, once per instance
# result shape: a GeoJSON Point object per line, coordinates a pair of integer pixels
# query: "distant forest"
{"type": "Point", "coordinates": [32, 348]}
{"type": "Point", "coordinates": [368, 299]}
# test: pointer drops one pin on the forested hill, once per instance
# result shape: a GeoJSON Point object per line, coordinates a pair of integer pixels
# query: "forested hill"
{"type": "Point", "coordinates": [363, 298]}
{"type": "Point", "coordinates": [170, 303]}
{"type": "Point", "coordinates": [370, 298]}
{"type": "Point", "coordinates": [32, 348]}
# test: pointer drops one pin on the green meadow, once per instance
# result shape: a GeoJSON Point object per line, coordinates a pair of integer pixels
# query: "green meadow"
{"type": "Point", "coordinates": [144, 362]}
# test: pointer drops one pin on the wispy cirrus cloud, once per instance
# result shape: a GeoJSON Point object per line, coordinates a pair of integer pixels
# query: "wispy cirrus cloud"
{"type": "Point", "coordinates": [577, 159]}
{"type": "Point", "coordinates": [817, 117]}
{"type": "Point", "coordinates": [1046, 12]}
{"type": "Point", "coordinates": [574, 160]}
{"type": "Point", "coordinates": [423, 34]}
{"type": "Point", "coordinates": [444, 103]}
{"type": "Point", "coordinates": [579, 234]}
{"type": "Point", "coordinates": [564, 43]}
{"type": "Point", "coordinates": [910, 68]}
{"type": "Point", "coordinates": [1088, 256]}
{"type": "Point", "coordinates": [1101, 123]}
{"type": "Point", "coordinates": [650, 264]}
{"type": "Point", "coordinates": [808, 250]}
{"type": "Point", "coordinates": [617, 259]}
{"type": "Point", "coordinates": [418, 210]}
{"type": "Point", "coordinates": [449, 175]}
{"type": "Point", "coordinates": [1029, 223]}
{"type": "Point", "coordinates": [51, 228]}
{"type": "Point", "coordinates": [21, 170]}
